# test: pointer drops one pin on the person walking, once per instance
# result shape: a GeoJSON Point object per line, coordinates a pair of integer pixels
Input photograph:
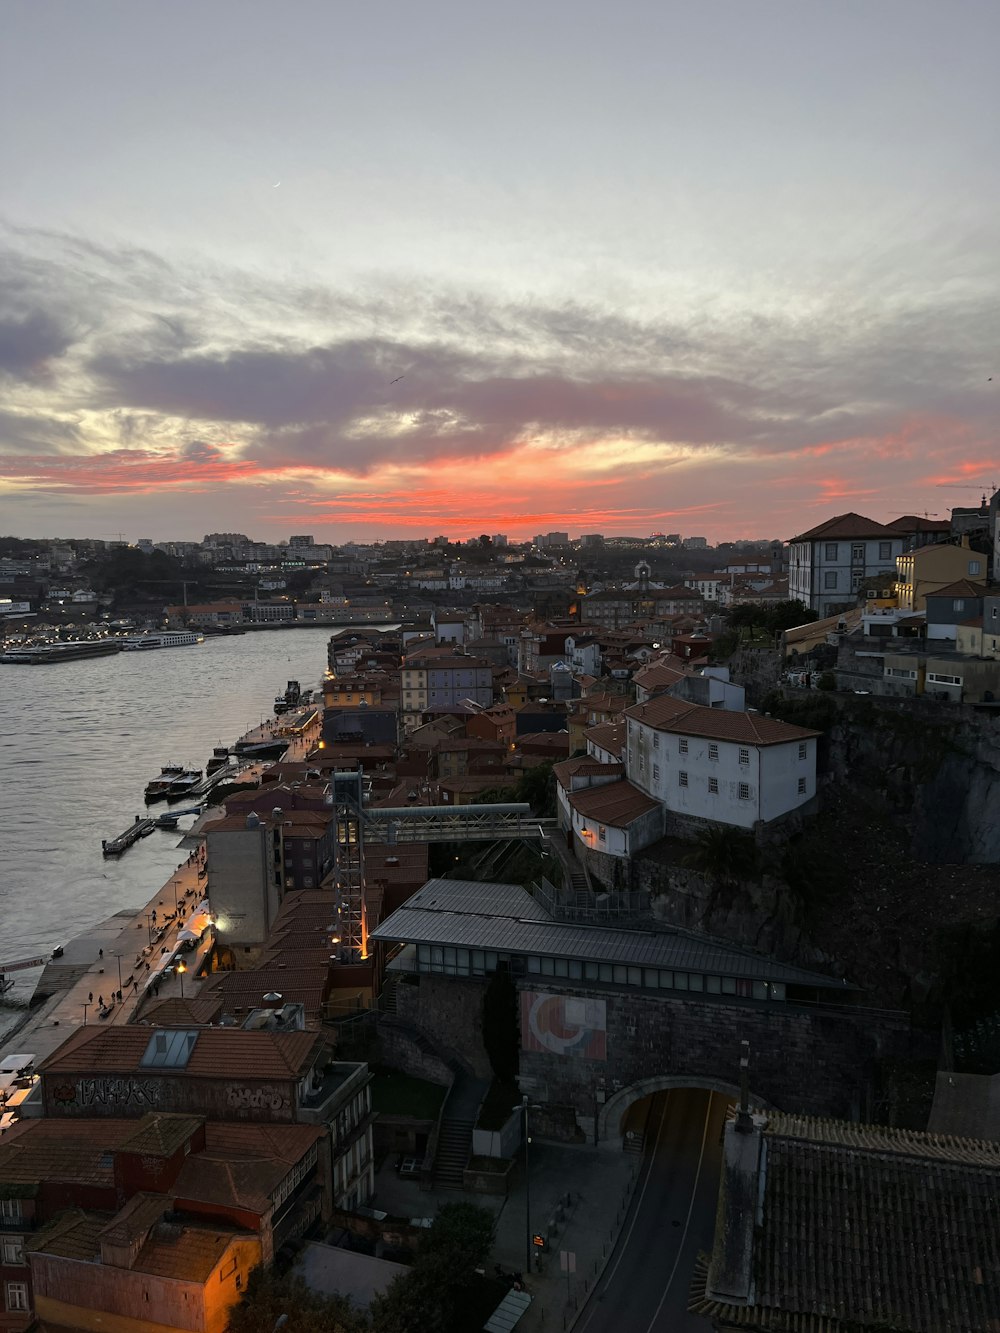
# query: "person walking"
{"type": "Point", "coordinates": [90, 998]}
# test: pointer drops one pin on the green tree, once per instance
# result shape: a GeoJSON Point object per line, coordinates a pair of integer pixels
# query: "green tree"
{"type": "Point", "coordinates": [269, 1296]}
{"type": "Point", "coordinates": [433, 1296]}
{"type": "Point", "coordinates": [788, 615]}
{"type": "Point", "coordinates": [537, 786]}
{"type": "Point", "coordinates": [725, 854]}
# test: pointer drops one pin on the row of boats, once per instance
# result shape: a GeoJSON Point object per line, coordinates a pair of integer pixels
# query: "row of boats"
{"type": "Point", "coordinates": [67, 650]}
{"type": "Point", "coordinates": [175, 781]}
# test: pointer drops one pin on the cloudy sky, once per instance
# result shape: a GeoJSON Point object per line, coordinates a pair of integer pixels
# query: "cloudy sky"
{"type": "Point", "coordinates": [386, 269]}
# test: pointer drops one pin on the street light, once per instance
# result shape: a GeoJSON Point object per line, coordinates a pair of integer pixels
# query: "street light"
{"type": "Point", "coordinates": [181, 969]}
{"type": "Point", "coordinates": [85, 1008]}
{"type": "Point", "coordinates": [119, 958]}
{"type": "Point", "coordinates": [528, 1239]}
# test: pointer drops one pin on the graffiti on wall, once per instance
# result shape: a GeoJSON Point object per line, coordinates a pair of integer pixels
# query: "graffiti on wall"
{"type": "Point", "coordinates": [257, 1099]}
{"type": "Point", "coordinates": [117, 1092]}
{"type": "Point", "coordinates": [564, 1025]}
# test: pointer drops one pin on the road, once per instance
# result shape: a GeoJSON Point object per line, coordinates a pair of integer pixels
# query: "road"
{"type": "Point", "coordinates": [644, 1287]}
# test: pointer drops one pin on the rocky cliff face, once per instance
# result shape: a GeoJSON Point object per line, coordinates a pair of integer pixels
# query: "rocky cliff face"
{"type": "Point", "coordinates": [903, 857]}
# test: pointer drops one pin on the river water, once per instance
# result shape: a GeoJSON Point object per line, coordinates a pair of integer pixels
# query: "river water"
{"type": "Point", "coordinates": [80, 741]}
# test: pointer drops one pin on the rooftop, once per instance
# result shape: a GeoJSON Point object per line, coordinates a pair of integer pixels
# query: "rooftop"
{"type": "Point", "coordinates": [216, 1053]}
{"type": "Point", "coordinates": [863, 1227]}
{"type": "Point", "coordinates": [507, 918]}
{"type": "Point", "coordinates": [616, 803]}
{"type": "Point", "coordinates": [665, 713]}
{"type": "Point", "coordinates": [846, 527]}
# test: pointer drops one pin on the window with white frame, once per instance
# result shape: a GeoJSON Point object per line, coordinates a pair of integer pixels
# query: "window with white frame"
{"type": "Point", "coordinates": [656, 772]}
{"type": "Point", "coordinates": [713, 752]}
{"type": "Point", "coordinates": [744, 755]}
{"type": "Point", "coordinates": [17, 1295]}
{"type": "Point", "coordinates": [858, 553]}
{"type": "Point", "coordinates": [713, 786]}
{"type": "Point", "coordinates": [10, 1210]}
{"type": "Point", "coordinates": [602, 833]}
{"type": "Point", "coordinates": [939, 679]}
{"type": "Point", "coordinates": [682, 778]}
{"type": "Point", "coordinates": [802, 749]}
{"type": "Point", "coordinates": [975, 566]}
{"type": "Point", "coordinates": [744, 791]}
{"type": "Point", "coordinates": [13, 1251]}
{"type": "Point", "coordinates": [802, 786]}
{"type": "Point", "coordinates": [682, 745]}
{"type": "Point", "coordinates": [958, 604]}
{"type": "Point", "coordinates": [656, 740]}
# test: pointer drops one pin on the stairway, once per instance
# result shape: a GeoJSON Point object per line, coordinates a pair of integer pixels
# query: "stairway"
{"type": "Point", "coordinates": [454, 1147]}
{"type": "Point", "coordinates": [581, 899]}
{"type": "Point", "coordinates": [387, 1000]}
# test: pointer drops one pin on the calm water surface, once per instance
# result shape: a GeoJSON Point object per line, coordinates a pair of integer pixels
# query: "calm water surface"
{"type": "Point", "coordinates": [80, 740]}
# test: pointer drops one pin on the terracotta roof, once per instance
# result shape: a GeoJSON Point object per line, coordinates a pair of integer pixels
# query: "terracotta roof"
{"type": "Point", "coordinates": [72, 1235]}
{"type": "Point", "coordinates": [81, 1151]}
{"type": "Point", "coordinates": [659, 676]}
{"type": "Point", "coordinates": [177, 1013]}
{"type": "Point", "coordinates": [186, 1253]}
{"type": "Point", "coordinates": [242, 1165]}
{"type": "Point", "coordinates": [608, 736]}
{"type": "Point", "coordinates": [961, 588]}
{"type": "Point", "coordinates": [615, 803]}
{"type": "Point", "coordinates": [665, 713]}
{"type": "Point", "coordinates": [863, 1227]}
{"type": "Point", "coordinates": [134, 1220]}
{"type": "Point", "coordinates": [218, 1053]}
{"type": "Point", "coordinates": [845, 527]}
{"type": "Point", "coordinates": [916, 523]}
{"type": "Point", "coordinates": [161, 1135]}
{"type": "Point", "coordinates": [584, 767]}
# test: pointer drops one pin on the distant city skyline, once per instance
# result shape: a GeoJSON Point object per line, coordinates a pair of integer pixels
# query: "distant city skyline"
{"type": "Point", "coordinates": [377, 272]}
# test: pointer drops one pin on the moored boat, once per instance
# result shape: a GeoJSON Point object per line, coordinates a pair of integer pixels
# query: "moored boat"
{"type": "Point", "coordinates": [157, 789]}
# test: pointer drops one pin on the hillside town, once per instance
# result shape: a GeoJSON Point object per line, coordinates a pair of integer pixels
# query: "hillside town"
{"type": "Point", "coordinates": [576, 847]}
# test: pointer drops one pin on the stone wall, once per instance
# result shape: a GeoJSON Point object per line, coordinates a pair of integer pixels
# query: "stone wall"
{"type": "Point", "coordinates": [449, 1013]}
{"type": "Point", "coordinates": [821, 1062]}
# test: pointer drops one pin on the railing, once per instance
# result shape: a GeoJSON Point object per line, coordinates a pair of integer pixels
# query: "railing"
{"type": "Point", "coordinates": [613, 905]}
{"type": "Point", "coordinates": [463, 823]}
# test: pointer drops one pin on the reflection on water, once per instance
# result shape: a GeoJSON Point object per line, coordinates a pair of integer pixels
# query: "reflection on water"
{"type": "Point", "coordinates": [81, 740]}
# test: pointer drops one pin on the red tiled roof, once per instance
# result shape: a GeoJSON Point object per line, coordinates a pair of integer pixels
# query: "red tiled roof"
{"type": "Point", "coordinates": [608, 736]}
{"type": "Point", "coordinates": [665, 713]}
{"type": "Point", "coordinates": [961, 588]}
{"type": "Point", "coordinates": [217, 1053]}
{"type": "Point", "coordinates": [845, 527]}
{"type": "Point", "coordinates": [915, 523]}
{"type": "Point", "coordinates": [584, 767]}
{"type": "Point", "coordinates": [32, 1151]}
{"type": "Point", "coordinates": [616, 803]}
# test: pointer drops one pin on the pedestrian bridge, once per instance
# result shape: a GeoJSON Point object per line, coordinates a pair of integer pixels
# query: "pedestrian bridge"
{"type": "Point", "coordinates": [461, 823]}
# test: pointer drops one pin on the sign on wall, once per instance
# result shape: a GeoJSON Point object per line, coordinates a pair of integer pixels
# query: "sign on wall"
{"type": "Point", "coordinates": [564, 1025]}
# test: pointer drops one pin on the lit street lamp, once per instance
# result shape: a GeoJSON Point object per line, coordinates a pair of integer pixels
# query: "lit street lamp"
{"type": "Point", "coordinates": [181, 969]}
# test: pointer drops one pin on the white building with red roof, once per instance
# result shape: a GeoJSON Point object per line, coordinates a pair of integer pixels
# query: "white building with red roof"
{"type": "Point", "coordinates": [733, 768]}
{"type": "Point", "coordinates": [828, 563]}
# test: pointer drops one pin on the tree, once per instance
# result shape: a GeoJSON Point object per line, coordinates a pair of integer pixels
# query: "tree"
{"type": "Point", "coordinates": [269, 1296]}
{"type": "Point", "coordinates": [432, 1296]}
{"type": "Point", "coordinates": [537, 786]}
{"type": "Point", "coordinates": [725, 854]}
{"type": "Point", "coordinates": [788, 615]}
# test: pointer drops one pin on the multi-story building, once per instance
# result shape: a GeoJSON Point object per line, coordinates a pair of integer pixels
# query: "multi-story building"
{"type": "Point", "coordinates": [446, 682]}
{"type": "Point", "coordinates": [928, 569]}
{"type": "Point", "coordinates": [828, 564]}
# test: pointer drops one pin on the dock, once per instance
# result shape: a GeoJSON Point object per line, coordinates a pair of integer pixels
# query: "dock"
{"type": "Point", "coordinates": [139, 828]}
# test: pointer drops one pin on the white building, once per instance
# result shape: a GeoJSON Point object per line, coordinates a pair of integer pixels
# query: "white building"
{"type": "Point", "coordinates": [828, 564]}
{"type": "Point", "coordinates": [738, 769]}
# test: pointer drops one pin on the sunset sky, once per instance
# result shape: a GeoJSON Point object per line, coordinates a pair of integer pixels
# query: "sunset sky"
{"type": "Point", "coordinates": [371, 270]}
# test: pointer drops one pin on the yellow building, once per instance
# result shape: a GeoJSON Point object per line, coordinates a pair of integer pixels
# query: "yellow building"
{"type": "Point", "coordinates": [923, 572]}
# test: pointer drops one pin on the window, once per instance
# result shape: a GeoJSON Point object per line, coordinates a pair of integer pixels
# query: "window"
{"type": "Point", "coordinates": [656, 740]}
{"type": "Point", "coordinates": [656, 772]}
{"type": "Point", "coordinates": [682, 746]}
{"type": "Point", "coordinates": [831, 550]}
{"type": "Point", "coordinates": [10, 1210]}
{"type": "Point", "coordinates": [885, 550]}
{"type": "Point", "coordinates": [858, 554]}
{"type": "Point", "coordinates": [642, 762]}
{"type": "Point", "coordinates": [713, 752]}
{"type": "Point", "coordinates": [682, 779]}
{"type": "Point", "coordinates": [13, 1252]}
{"type": "Point", "coordinates": [744, 791]}
{"type": "Point", "coordinates": [17, 1295]}
{"type": "Point", "coordinates": [830, 579]}
{"type": "Point", "coordinates": [228, 1268]}
{"type": "Point", "coordinates": [958, 604]}
{"type": "Point", "coordinates": [713, 786]}
{"type": "Point", "coordinates": [602, 833]}
{"type": "Point", "coordinates": [802, 749]}
{"type": "Point", "coordinates": [974, 566]}
{"type": "Point", "coordinates": [744, 755]}
{"type": "Point", "coordinates": [939, 679]}
{"type": "Point", "coordinates": [802, 786]}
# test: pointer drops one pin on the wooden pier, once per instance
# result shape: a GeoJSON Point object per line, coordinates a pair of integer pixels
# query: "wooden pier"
{"type": "Point", "coordinates": [136, 830]}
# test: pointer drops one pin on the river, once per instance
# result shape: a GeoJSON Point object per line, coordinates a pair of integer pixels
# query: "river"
{"type": "Point", "coordinates": [82, 739]}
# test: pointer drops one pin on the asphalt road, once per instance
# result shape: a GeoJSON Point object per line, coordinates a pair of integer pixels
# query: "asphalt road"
{"type": "Point", "coordinates": [644, 1288]}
